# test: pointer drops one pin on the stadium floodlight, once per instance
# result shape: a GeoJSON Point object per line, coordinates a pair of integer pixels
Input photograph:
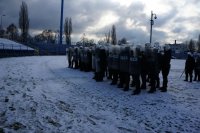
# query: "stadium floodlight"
{"type": "Point", "coordinates": [153, 16]}
{"type": "Point", "coordinates": [2, 21]}
{"type": "Point", "coordinates": [61, 21]}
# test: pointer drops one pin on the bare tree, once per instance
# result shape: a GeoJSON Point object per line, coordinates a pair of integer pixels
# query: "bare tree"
{"type": "Point", "coordinates": [107, 37]}
{"type": "Point", "coordinates": [70, 27]}
{"type": "Point", "coordinates": [47, 36]}
{"type": "Point", "coordinates": [68, 30]}
{"type": "Point", "coordinates": [113, 35]}
{"type": "Point", "coordinates": [24, 21]}
{"type": "Point", "coordinates": [12, 32]}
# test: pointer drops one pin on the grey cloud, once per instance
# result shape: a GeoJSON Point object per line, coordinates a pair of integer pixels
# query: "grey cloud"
{"type": "Point", "coordinates": [178, 29]}
{"type": "Point", "coordinates": [45, 14]}
{"type": "Point", "coordinates": [165, 18]}
{"type": "Point", "coordinates": [159, 35]}
{"type": "Point", "coordinates": [192, 20]}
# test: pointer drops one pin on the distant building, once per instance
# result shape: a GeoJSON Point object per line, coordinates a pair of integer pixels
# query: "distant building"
{"type": "Point", "coordinates": [178, 50]}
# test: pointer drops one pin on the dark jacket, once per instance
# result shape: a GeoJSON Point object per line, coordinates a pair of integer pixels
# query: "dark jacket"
{"type": "Point", "coordinates": [190, 63]}
{"type": "Point", "coordinates": [197, 64]}
{"type": "Point", "coordinates": [166, 59]}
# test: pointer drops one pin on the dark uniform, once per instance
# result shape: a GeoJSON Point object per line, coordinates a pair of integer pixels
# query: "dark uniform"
{"type": "Point", "coordinates": [124, 69]}
{"type": "Point", "coordinates": [151, 65]}
{"type": "Point", "coordinates": [115, 65]}
{"type": "Point", "coordinates": [100, 64]}
{"type": "Point", "coordinates": [109, 64]}
{"type": "Point", "coordinates": [144, 69]}
{"type": "Point", "coordinates": [81, 59]}
{"type": "Point", "coordinates": [189, 67]}
{"type": "Point", "coordinates": [165, 68]}
{"type": "Point", "coordinates": [197, 68]}
{"type": "Point", "coordinates": [87, 60]}
{"type": "Point", "coordinates": [158, 66]}
{"type": "Point", "coordinates": [135, 69]}
{"type": "Point", "coordinates": [75, 58]}
{"type": "Point", "coordinates": [69, 56]}
{"type": "Point", "coordinates": [94, 62]}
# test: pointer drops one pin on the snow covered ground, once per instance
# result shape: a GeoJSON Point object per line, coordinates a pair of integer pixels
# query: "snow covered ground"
{"type": "Point", "coordinates": [11, 45]}
{"type": "Point", "coordinates": [39, 94]}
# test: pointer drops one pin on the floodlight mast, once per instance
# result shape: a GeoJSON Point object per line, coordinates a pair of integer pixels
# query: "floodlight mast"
{"type": "Point", "coordinates": [61, 21]}
{"type": "Point", "coordinates": [2, 21]}
{"type": "Point", "coordinates": [151, 24]}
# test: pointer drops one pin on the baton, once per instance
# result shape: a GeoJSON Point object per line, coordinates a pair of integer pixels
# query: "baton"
{"type": "Point", "coordinates": [182, 73]}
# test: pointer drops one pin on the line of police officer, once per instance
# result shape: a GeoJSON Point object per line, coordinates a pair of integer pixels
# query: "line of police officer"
{"type": "Point", "coordinates": [123, 64]}
{"type": "Point", "coordinates": [192, 63]}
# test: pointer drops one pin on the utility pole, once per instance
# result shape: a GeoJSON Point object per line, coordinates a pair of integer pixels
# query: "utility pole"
{"type": "Point", "coordinates": [2, 21]}
{"type": "Point", "coordinates": [61, 21]}
{"type": "Point", "coordinates": [151, 24]}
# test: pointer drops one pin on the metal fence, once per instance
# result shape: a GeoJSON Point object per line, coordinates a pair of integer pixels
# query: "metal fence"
{"type": "Point", "coordinates": [50, 49]}
{"type": "Point", "coordinates": [15, 51]}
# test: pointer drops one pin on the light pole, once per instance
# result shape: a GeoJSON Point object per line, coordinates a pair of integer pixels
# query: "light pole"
{"type": "Point", "coordinates": [61, 21]}
{"type": "Point", "coordinates": [2, 21]}
{"type": "Point", "coordinates": [152, 23]}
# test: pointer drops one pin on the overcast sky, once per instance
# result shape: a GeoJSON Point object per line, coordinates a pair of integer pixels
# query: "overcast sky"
{"type": "Point", "coordinates": [176, 19]}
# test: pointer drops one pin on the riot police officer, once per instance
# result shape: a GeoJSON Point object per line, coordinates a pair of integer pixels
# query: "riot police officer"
{"type": "Point", "coordinates": [165, 67]}
{"type": "Point", "coordinates": [144, 68]}
{"type": "Point", "coordinates": [197, 68]}
{"type": "Point", "coordinates": [124, 68]}
{"type": "Point", "coordinates": [75, 58]}
{"type": "Point", "coordinates": [69, 56]}
{"type": "Point", "coordinates": [151, 65]}
{"type": "Point", "coordinates": [115, 64]}
{"type": "Point", "coordinates": [100, 58]}
{"type": "Point", "coordinates": [135, 68]}
{"type": "Point", "coordinates": [189, 66]}
{"type": "Point", "coordinates": [109, 62]}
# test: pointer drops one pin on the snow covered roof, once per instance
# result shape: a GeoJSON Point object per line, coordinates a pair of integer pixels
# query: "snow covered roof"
{"type": "Point", "coordinates": [11, 45]}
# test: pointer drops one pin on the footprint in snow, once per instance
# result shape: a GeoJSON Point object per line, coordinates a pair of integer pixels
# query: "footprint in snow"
{"type": "Point", "coordinates": [64, 106]}
{"type": "Point", "coordinates": [91, 121]}
{"type": "Point", "coordinates": [2, 88]}
{"type": "Point", "coordinates": [53, 121]}
{"type": "Point", "coordinates": [16, 126]}
{"type": "Point", "coordinates": [6, 99]}
{"type": "Point", "coordinates": [12, 108]}
{"type": "Point", "coordinates": [28, 89]}
{"type": "Point", "coordinates": [44, 96]}
{"type": "Point", "coordinates": [127, 130]}
{"type": "Point", "coordinates": [8, 84]}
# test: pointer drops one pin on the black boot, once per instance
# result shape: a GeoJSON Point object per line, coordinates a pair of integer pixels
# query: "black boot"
{"type": "Point", "coordinates": [163, 89]}
{"type": "Point", "coordinates": [120, 86]}
{"type": "Point", "coordinates": [158, 85]}
{"type": "Point", "coordinates": [190, 79]}
{"type": "Point", "coordinates": [152, 90]}
{"type": "Point", "coordinates": [113, 83]}
{"type": "Point", "coordinates": [143, 87]}
{"type": "Point", "coordinates": [136, 92]}
{"type": "Point", "coordinates": [160, 88]}
{"type": "Point", "coordinates": [126, 88]}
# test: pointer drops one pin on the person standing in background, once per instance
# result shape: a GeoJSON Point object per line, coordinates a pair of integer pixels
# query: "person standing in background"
{"type": "Point", "coordinates": [189, 66]}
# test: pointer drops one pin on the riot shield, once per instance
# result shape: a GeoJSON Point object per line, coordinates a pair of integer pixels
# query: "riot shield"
{"type": "Point", "coordinates": [124, 59]}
